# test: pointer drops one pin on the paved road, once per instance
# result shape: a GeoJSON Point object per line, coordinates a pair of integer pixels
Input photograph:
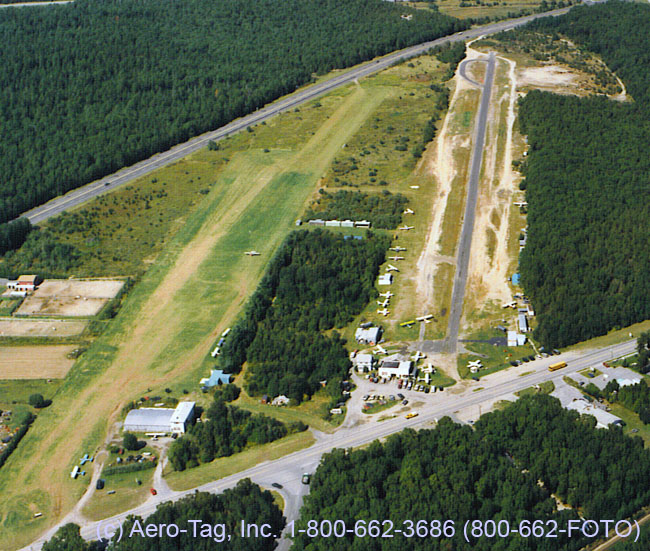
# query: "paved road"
{"type": "Point", "coordinates": [32, 4]}
{"type": "Point", "coordinates": [84, 193]}
{"type": "Point", "coordinates": [465, 243]}
{"type": "Point", "coordinates": [287, 470]}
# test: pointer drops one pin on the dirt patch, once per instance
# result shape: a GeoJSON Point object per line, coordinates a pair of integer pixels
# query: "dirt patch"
{"type": "Point", "coordinates": [16, 327]}
{"type": "Point", "coordinates": [549, 77]}
{"type": "Point", "coordinates": [35, 362]}
{"type": "Point", "coordinates": [70, 298]}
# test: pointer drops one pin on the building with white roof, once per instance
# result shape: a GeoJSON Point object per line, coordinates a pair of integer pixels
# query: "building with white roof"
{"type": "Point", "coordinates": [403, 369]}
{"type": "Point", "coordinates": [369, 335]}
{"type": "Point", "coordinates": [160, 420]}
{"type": "Point", "coordinates": [603, 418]}
{"type": "Point", "coordinates": [364, 362]}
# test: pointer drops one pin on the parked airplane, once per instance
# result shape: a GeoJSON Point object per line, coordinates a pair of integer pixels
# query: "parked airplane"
{"type": "Point", "coordinates": [383, 303]}
{"type": "Point", "coordinates": [408, 211]}
{"type": "Point", "coordinates": [426, 318]}
{"type": "Point", "coordinates": [380, 350]}
{"type": "Point", "coordinates": [418, 355]}
{"type": "Point", "coordinates": [415, 187]}
{"type": "Point", "coordinates": [428, 369]}
{"type": "Point", "coordinates": [407, 323]}
{"type": "Point", "coordinates": [477, 364]}
{"type": "Point", "coordinates": [521, 204]}
{"type": "Point", "coordinates": [405, 228]}
{"type": "Point", "coordinates": [391, 268]}
{"type": "Point", "coordinates": [396, 258]}
{"type": "Point", "coordinates": [510, 305]}
{"type": "Point", "coordinates": [383, 312]}
{"type": "Point", "coordinates": [387, 294]}
{"type": "Point", "coordinates": [398, 249]}
{"type": "Point", "coordinates": [252, 253]}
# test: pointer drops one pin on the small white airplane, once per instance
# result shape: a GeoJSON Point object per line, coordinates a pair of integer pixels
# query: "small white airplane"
{"type": "Point", "coordinates": [383, 312]}
{"type": "Point", "coordinates": [396, 258]}
{"type": "Point", "coordinates": [428, 369]}
{"type": "Point", "coordinates": [418, 355]}
{"type": "Point", "coordinates": [380, 350]}
{"type": "Point", "coordinates": [252, 253]}
{"type": "Point", "coordinates": [384, 303]}
{"type": "Point", "coordinates": [391, 268]}
{"type": "Point", "coordinates": [398, 249]}
{"type": "Point", "coordinates": [387, 294]}
{"type": "Point", "coordinates": [415, 187]}
{"type": "Point", "coordinates": [405, 228]}
{"type": "Point", "coordinates": [510, 305]}
{"type": "Point", "coordinates": [520, 204]}
{"type": "Point", "coordinates": [477, 364]}
{"type": "Point", "coordinates": [408, 211]}
{"type": "Point", "coordinates": [426, 318]}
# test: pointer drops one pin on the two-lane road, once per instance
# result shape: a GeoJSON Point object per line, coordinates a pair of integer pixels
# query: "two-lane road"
{"type": "Point", "coordinates": [287, 470]}
{"type": "Point", "coordinates": [84, 193]}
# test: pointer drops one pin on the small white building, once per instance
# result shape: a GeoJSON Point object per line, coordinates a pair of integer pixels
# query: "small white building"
{"type": "Point", "coordinates": [281, 400]}
{"type": "Point", "coordinates": [403, 370]}
{"type": "Point", "coordinates": [347, 224]}
{"type": "Point", "coordinates": [333, 223]}
{"type": "Point", "coordinates": [369, 335]}
{"type": "Point", "coordinates": [364, 362]}
{"type": "Point", "coordinates": [362, 224]}
{"type": "Point", "coordinates": [522, 322]}
{"type": "Point", "coordinates": [385, 279]}
{"type": "Point", "coordinates": [516, 339]}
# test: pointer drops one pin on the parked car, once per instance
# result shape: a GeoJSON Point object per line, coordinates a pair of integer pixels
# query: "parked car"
{"type": "Point", "coordinates": [153, 491]}
{"type": "Point", "coordinates": [276, 485]}
{"type": "Point", "coordinates": [427, 390]}
{"type": "Point", "coordinates": [400, 396]}
{"type": "Point", "coordinates": [306, 478]}
{"type": "Point", "coordinates": [100, 484]}
{"type": "Point", "coordinates": [404, 402]}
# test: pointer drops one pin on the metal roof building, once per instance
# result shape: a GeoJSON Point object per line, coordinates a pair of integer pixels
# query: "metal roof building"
{"type": "Point", "coordinates": [161, 420]}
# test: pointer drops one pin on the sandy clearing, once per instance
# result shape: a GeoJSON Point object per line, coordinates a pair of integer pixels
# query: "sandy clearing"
{"type": "Point", "coordinates": [548, 76]}
{"type": "Point", "coordinates": [17, 327]}
{"type": "Point", "coordinates": [96, 288]}
{"type": "Point", "coordinates": [35, 362]}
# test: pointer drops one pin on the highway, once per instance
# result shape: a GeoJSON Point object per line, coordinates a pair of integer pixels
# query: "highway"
{"type": "Point", "coordinates": [465, 242]}
{"type": "Point", "coordinates": [127, 174]}
{"type": "Point", "coordinates": [287, 470]}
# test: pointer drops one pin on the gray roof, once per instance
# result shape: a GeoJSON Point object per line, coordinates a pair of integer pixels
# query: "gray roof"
{"type": "Point", "coordinates": [182, 412]}
{"type": "Point", "coordinates": [145, 418]}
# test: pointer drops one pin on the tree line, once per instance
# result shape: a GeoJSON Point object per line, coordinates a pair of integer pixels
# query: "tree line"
{"type": "Point", "coordinates": [506, 468]}
{"type": "Point", "coordinates": [316, 281]}
{"type": "Point", "coordinates": [585, 264]}
{"type": "Point", "coordinates": [226, 431]}
{"type": "Point", "coordinates": [90, 87]}
{"type": "Point", "coordinates": [382, 210]}
{"type": "Point", "coordinates": [245, 502]}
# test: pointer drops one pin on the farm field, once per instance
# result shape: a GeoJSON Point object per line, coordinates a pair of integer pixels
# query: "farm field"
{"type": "Point", "coordinates": [171, 318]}
{"type": "Point", "coordinates": [35, 362]}
{"type": "Point", "coordinates": [74, 298]}
{"type": "Point", "coordinates": [21, 327]}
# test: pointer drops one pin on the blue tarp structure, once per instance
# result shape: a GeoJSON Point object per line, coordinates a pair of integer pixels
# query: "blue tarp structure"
{"type": "Point", "coordinates": [217, 377]}
{"type": "Point", "coordinates": [515, 279]}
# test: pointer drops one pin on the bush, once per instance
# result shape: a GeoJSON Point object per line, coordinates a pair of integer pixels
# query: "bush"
{"type": "Point", "coordinates": [130, 441]}
{"type": "Point", "coordinates": [37, 401]}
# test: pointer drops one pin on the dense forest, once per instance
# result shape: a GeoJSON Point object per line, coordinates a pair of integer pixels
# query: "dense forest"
{"type": "Point", "coordinates": [227, 430]}
{"type": "Point", "coordinates": [585, 265]}
{"type": "Point", "coordinates": [490, 473]}
{"type": "Point", "coordinates": [382, 210]}
{"type": "Point", "coordinates": [245, 502]}
{"type": "Point", "coordinates": [90, 87]}
{"type": "Point", "coordinates": [316, 281]}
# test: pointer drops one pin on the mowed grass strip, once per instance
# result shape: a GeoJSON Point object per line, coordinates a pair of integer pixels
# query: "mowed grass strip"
{"type": "Point", "coordinates": [172, 316]}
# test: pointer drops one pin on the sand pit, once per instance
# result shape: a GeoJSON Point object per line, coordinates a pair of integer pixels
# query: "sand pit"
{"type": "Point", "coordinates": [35, 362]}
{"type": "Point", "coordinates": [547, 77]}
{"type": "Point", "coordinates": [20, 327]}
{"type": "Point", "coordinates": [68, 297]}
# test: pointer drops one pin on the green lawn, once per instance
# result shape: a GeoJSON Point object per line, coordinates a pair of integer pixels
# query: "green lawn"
{"type": "Point", "coordinates": [544, 388]}
{"type": "Point", "coordinates": [494, 358]}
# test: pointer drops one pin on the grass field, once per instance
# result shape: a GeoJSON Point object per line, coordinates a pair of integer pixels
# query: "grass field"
{"type": "Point", "coordinates": [192, 292]}
{"type": "Point", "coordinates": [226, 466]}
{"type": "Point", "coordinates": [35, 362]}
{"type": "Point", "coordinates": [128, 493]}
{"type": "Point", "coordinates": [494, 358]}
{"type": "Point", "coordinates": [544, 388]}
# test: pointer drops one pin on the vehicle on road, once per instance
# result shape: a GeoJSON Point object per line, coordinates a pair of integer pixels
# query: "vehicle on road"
{"type": "Point", "coordinates": [100, 484]}
{"type": "Point", "coordinates": [153, 491]}
{"type": "Point", "coordinates": [412, 414]}
{"type": "Point", "coordinates": [556, 366]}
{"type": "Point", "coordinates": [276, 485]}
{"type": "Point", "coordinates": [404, 402]}
{"type": "Point", "coordinates": [306, 478]}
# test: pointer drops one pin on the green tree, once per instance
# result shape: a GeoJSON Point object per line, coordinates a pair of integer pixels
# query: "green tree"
{"type": "Point", "coordinates": [67, 538]}
{"type": "Point", "coordinates": [37, 400]}
{"type": "Point", "coordinates": [130, 441]}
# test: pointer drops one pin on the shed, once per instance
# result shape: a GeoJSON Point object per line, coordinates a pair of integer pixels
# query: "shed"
{"type": "Point", "coordinates": [522, 322]}
{"type": "Point", "coordinates": [362, 224]}
{"type": "Point", "coordinates": [385, 279]}
{"type": "Point", "coordinates": [347, 224]}
{"type": "Point", "coordinates": [364, 362]}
